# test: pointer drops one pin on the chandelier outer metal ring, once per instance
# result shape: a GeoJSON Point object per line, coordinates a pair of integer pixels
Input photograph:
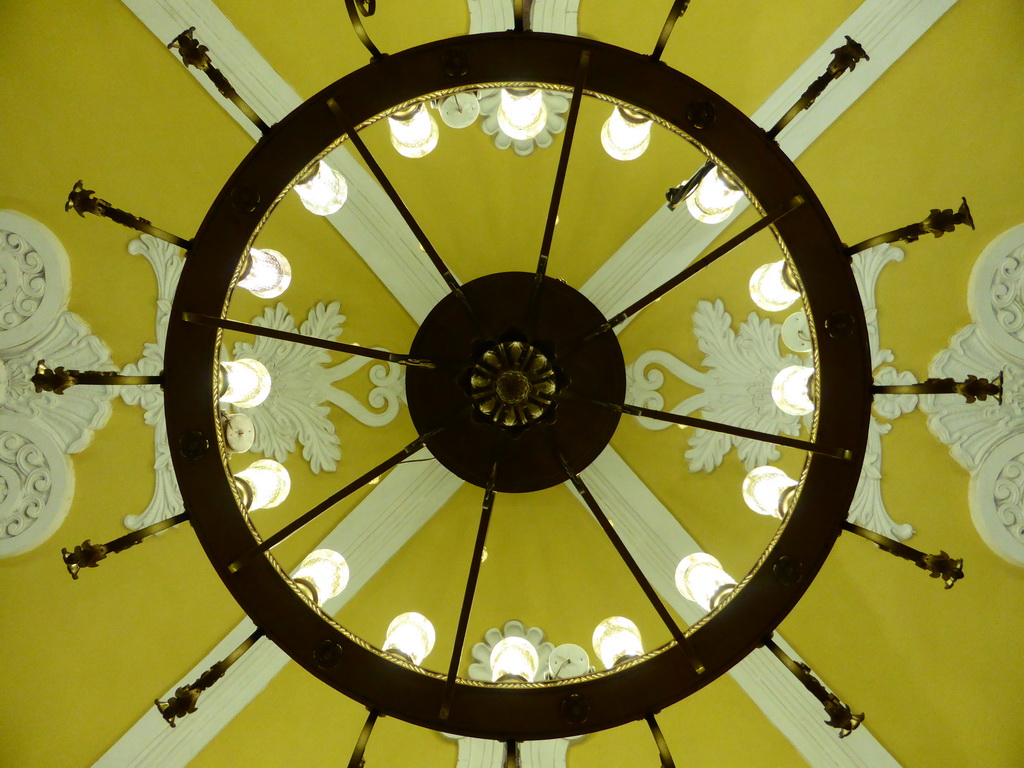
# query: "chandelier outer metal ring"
{"type": "Point", "coordinates": [665, 676]}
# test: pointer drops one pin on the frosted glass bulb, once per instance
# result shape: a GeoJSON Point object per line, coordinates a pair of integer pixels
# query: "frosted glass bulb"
{"type": "Point", "coordinates": [701, 579]}
{"type": "Point", "coordinates": [245, 382]}
{"type": "Point", "coordinates": [522, 114]}
{"type": "Point", "coordinates": [411, 635]}
{"type": "Point", "coordinates": [770, 289]}
{"type": "Point", "coordinates": [325, 192]}
{"type": "Point", "coordinates": [265, 483]}
{"type": "Point", "coordinates": [763, 490]}
{"type": "Point", "coordinates": [791, 390]}
{"type": "Point", "coordinates": [626, 134]}
{"type": "Point", "coordinates": [514, 657]}
{"type": "Point", "coordinates": [617, 639]}
{"type": "Point", "coordinates": [414, 132]}
{"type": "Point", "coordinates": [267, 275]}
{"type": "Point", "coordinates": [325, 571]}
{"type": "Point", "coordinates": [714, 199]}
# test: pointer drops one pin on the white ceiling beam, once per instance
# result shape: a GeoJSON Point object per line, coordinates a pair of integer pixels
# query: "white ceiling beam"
{"type": "Point", "coordinates": [368, 536]}
{"type": "Point", "coordinates": [670, 240]}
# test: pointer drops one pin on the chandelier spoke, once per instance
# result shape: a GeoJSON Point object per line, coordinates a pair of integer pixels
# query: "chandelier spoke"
{"type": "Point", "coordinates": [467, 600]}
{"type": "Point", "coordinates": [676, 13]}
{"type": "Point", "coordinates": [693, 269]}
{"type": "Point", "coordinates": [309, 341]}
{"type": "Point", "coordinates": [717, 426]}
{"type": "Point", "coordinates": [402, 208]}
{"type": "Point", "coordinates": [331, 500]}
{"type": "Point", "coordinates": [634, 568]}
{"type": "Point", "coordinates": [356, 760]}
{"type": "Point", "coordinates": [556, 192]}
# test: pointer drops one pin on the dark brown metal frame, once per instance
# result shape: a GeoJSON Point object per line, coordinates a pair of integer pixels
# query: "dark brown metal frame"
{"type": "Point", "coordinates": [635, 689]}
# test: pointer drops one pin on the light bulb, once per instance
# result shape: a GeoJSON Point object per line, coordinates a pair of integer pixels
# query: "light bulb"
{"type": "Point", "coordinates": [324, 192]}
{"type": "Point", "coordinates": [714, 199]}
{"type": "Point", "coordinates": [763, 490]}
{"type": "Point", "coordinates": [325, 572]}
{"type": "Point", "coordinates": [414, 132]}
{"type": "Point", "coordinates": [514, 658]}
{"type": "Point", "coordinates": [791, 390]}
{"type": "Point", "coordinates": [267, 275]}
{"type": "Point", "coordinates": [617, 639]}
{"type": "Point", "coordinates": [522, 114]}
{"type": "Point", "coordinates": [245, 382]}
{"type": "Point", "coordinates": [410, 635]}
{"type": "Point", "coordinates": [701, 579]}
{"type": "Point", "coordinates": [626, 134]}
{"type": "Point", "coordinates": [264, 484]}
{"type": "Point", "coordinates": [770, 287]}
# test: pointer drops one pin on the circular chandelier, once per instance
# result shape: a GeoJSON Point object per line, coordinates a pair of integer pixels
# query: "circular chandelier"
{"type": "Point", "coordinates": [516, 383]}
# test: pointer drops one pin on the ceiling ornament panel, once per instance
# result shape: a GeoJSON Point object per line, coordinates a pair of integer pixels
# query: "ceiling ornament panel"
{"type": "Point", "coordinates": [298, 406]}
{"type": "Point", "coordinates": [39, 431]}
{"type": "Point", "coordinates": [737, 383]}
{"type": "Point", "coordinates": [987, 439]}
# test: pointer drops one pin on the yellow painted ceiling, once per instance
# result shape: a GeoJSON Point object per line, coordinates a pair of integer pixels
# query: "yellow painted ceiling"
{"type": "Point", "coordinates": [90, 93]}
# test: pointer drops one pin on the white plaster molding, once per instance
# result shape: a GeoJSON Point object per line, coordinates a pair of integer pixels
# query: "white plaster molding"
{"type": "Point", "coordinates": [557, 16]}
{"type": "Point", "coordinates": [671, 240]}
{"type": "Point", "coordinates": [557, 104]}
{"type": "Point", "coordinates": [35, 279]}
{"type": "Point", "coordinates": [490, 16]}
{"type": "Point", "coordinates": [658, 543]}
{"type": "Point", "coordinates": [986, 438]}
{"type": "Point", "coordinates": [368, 220]}
{"type": "Point", "coordinates": [368, 536]}
{"type": "Point", "coordinates": [39, 430]}
{"type": "Point", "coordinates": [295, 408]}
{"type": "Point", "coordinates": [37, 483]}
{"type": "Point", "coordinates": [480, 669]}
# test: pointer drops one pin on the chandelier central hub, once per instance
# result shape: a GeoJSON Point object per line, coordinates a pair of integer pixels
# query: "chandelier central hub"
{"type": "Point", "coordinates": [512, 384]}
{"type": "Point", "coordinates": [511, 400]}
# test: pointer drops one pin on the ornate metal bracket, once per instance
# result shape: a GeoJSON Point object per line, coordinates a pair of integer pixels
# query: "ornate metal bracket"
{"type": "Point", "coordinates": [357, 8]}
{"type": "Point", "coordinates": [676, 195]}
{"type": "Point", "coordinates": [59, 379]}
{"type": "Point", "coordinates": [844, 59]}
{"type": "Point", "coordinates": [940, 566]}
{"type": "Point", "coordinates": [839, 715]}
{"type": "Point", "coordinates": [83, 201]}
{"type": "Point", "coordinates": [185, 698]}
{"type": "Point", "coordinates": [972, 388]}
{"type": "Point", "coordinates": [89, 555]}
{"type": "Point", "coordinates": [677, 11]}
{"type": "Point", "coordinates": [193, 54]}
{"type": "Point", "coordinates": [936, 223]}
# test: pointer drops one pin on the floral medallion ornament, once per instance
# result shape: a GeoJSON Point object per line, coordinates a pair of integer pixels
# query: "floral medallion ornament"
{"type": "Point", "coordinates": [512, 384]}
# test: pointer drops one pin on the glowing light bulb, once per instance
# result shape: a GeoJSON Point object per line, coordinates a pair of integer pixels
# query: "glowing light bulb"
{"type": "Point", "coordinates": [267, 275]}
{"type": "Point", "coordinates": [771, 289]}
{"type": "Point", "coordinates": [410, 635]}
{"type": "Point", "coordinates": [414, 132]}
{"type": "Point", "coordinates": [323, 571]}
{"type": "Point", "coordinates": [714, 199]}
{"type": "Point", "coordinates": [626, 134]}
{"type": "Point", "coordinates": [245, 382]}
{"type": "Point", "coordinates": [701, 579]}
{"type": "Point", "coordinates": [264, 484]}
{"type": "Point", "coordinates": [763, 490]}
{"type": "Point", "coordinates": [617, 639]}
{"type": "Point", "coordinates": [522, 114]}
{"type": "Point", "coordinates": [514, 658]}
{"type": "Point", "coordinates": [791, 390]}
{"type": "Point", "coordinates": [324, 192]}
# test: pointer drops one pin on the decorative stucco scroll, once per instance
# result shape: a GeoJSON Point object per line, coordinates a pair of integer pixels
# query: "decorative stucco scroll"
{"type": "Point", "coordinates": [987, 438]}
{"type": "Point", "coordinates": [38, 431]}
{"type": "Point", "coordinates": [736, 389]}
